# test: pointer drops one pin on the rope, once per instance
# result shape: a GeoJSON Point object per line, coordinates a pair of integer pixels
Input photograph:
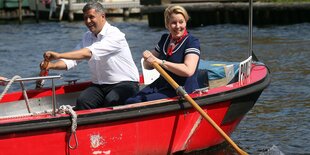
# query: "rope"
{"type": "Point", "coordinates": [8, 86]}
{"type": "Point", "coordinates": [63, 109]}
{"type": "Point", "coordinates": [68, 110]}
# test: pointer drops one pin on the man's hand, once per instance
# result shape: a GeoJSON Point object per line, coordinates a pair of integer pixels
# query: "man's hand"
{"type": "Point", "coordinates": [44, 65]}
{"type": "Point", "coordinates": [50, 56]}
{"type": "Point", "coordinates": [2, 82]}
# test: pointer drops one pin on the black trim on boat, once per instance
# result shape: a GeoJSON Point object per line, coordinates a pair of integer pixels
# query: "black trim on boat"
{"type": "Point", "coordinates": [240, 106]}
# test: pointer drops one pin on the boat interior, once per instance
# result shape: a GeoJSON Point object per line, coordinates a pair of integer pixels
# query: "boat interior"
{"type": "Point", "coordinates": [47, 100]}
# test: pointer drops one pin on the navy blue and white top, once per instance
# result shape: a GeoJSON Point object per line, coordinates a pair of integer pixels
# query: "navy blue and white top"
{"type": "Point", "coordinates": [189, 45]}
{"type": "Point", "coordinates": [160, 88]}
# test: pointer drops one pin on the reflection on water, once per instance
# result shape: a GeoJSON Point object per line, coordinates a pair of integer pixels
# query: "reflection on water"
{"type": "Point", "coordinates": [281, 115]}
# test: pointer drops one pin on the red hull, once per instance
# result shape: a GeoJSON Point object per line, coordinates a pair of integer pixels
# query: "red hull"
{"type": "Point", "coordinates": [150, 135]}
{"type": "Point", "coordinates": [166, 127]}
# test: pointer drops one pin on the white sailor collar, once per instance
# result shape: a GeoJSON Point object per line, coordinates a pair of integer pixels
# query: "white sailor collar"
{"type": "Point", "coordinates": [167, 42]}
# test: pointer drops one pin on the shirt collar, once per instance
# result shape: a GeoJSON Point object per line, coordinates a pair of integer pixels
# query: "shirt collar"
{"type": "Point", "coordinates": [104, 30]}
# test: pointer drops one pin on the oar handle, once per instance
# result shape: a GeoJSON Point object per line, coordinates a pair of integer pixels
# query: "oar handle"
{"type": "Point", "coordinates": [197, 107]}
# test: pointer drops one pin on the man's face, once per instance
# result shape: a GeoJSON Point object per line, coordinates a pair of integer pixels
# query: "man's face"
{"type": "Point", "coordinates": [94, 21]}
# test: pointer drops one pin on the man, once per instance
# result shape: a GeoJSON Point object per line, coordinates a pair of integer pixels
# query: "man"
{"type": "Point", "coordinates": [113, 72]}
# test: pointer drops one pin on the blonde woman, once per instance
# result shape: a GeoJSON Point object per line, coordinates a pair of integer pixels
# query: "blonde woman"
{"type": "Point", "coordinates": [177, 52]}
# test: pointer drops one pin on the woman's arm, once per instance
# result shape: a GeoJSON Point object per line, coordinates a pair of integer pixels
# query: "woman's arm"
{"type": "Point", "coordinates": [185, 69]}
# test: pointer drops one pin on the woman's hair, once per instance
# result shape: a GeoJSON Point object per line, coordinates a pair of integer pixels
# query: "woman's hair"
{"type": "Point", "coordinates": [93, 5]}
{"type": "Point", "coordinates": [177, 10]}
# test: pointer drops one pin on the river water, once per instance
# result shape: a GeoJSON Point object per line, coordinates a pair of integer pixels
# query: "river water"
{"type": "Point", "coordinates": [281, 115]}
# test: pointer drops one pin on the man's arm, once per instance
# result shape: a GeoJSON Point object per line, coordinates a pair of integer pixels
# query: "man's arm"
{"type": "Point", "coordinates": [80, 54]}
{"type": "Point", "coordinates": [59, 65]}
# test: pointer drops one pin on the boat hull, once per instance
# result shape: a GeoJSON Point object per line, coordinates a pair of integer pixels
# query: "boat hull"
{"type": "Point", "coordinates": [156, 134]}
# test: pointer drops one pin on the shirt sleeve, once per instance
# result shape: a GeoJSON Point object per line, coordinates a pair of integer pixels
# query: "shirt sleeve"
{"type": "Point", "coordinates": [193, 46]}
{"type": "Point", "coordinates": [70, 63]}
{"type": "Point", "coordinates": [111, 43]}
{"type": "Point", "coordinates": [160, 45]}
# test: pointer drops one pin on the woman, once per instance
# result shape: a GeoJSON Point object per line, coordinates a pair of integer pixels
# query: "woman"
{"type": "Point", "coordinates": [178, 53]}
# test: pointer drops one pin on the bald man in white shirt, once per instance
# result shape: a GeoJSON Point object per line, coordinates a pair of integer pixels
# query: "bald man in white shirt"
{"type": "Point", "coordinates": [113, 72]}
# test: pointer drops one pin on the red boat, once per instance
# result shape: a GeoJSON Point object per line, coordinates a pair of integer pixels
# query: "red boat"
{"type": "Point", "coordinates": [32, 123]}
{"type": "Point", "coordinates": [42, 121]}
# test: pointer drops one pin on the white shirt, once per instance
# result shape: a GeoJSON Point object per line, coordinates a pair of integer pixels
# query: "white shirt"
{"type": "Point", "coordinates": [111, 61]}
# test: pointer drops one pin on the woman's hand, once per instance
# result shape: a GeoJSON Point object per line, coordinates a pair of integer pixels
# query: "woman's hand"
{"type": "Point", "coordinates": [149, 57]}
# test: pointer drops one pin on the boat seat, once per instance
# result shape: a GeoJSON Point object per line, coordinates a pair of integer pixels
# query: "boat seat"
{"type": "Point", "coordinates": [148, 75]}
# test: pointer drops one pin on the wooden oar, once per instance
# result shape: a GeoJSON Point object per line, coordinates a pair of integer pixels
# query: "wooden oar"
{"type": "Point", "coordinates": [196, 106]}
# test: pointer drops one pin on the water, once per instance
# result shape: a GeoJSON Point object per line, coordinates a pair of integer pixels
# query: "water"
{"type": "Point", "coordinates": [281, 116]}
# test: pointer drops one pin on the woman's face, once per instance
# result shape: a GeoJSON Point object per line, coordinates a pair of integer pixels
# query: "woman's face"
{"type": "Point", "coordinates": [176, 25]}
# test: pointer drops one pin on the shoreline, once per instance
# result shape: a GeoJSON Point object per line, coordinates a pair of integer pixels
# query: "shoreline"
{"type": "Point", "coordinates": [210, 13]}
{"type": "Point", "coordinates": [213, 13]}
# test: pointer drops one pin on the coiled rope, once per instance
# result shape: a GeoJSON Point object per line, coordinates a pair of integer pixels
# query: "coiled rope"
{"type": "Point", "coordinates": [68, 110]}
{"type": "Point", "coordinates": [8, 86]}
